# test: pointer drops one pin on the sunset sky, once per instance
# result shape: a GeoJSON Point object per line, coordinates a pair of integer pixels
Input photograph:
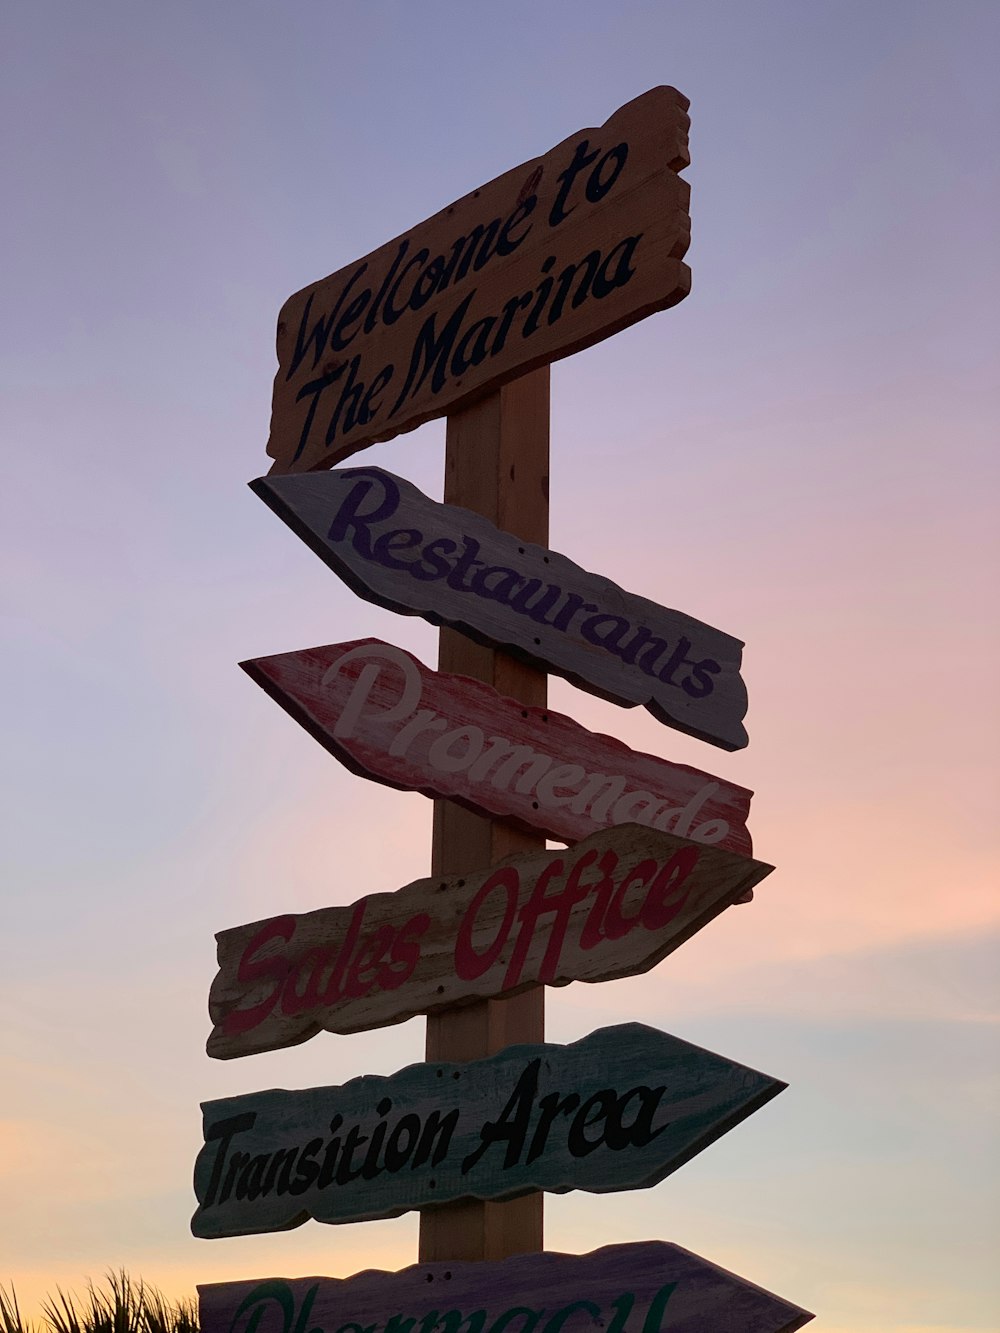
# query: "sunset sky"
{"type": "Point", "coordinates": [802, 453]}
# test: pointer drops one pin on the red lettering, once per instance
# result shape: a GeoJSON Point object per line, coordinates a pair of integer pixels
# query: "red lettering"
{"type": "Point", "coordinates": [405, 953]}
{"type": "Point", "coordinates": [616, 923]}
{"type": "Point", "coordinates": [468, 964]}
{"type": "Point", "coordinates": [273, 968]}
{"type": "Point", "coordinates": [333, 990]}
{"type": "Point", "coordinates": [368, 959]}
{"type": "Point", "coordinates": [657, 910]}
{"type": "Point", "coordinates": [310, 965]}
{"type": "Point", "coordinates": [592, 935]}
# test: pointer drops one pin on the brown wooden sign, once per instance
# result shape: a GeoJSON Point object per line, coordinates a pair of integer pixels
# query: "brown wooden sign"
{"type": "Point", "coordinates": [612, 906]}
{"type": "Point", "coordinates": [640, 1288]}
{"type": "Point", "coordinates": [401, 550]}
{"type": "Point", "coordinates": [619, 1110]}
{"type": "Point", "coordinates": [546, 259]}
{"type": "Point", "coordinates": [387, 717]}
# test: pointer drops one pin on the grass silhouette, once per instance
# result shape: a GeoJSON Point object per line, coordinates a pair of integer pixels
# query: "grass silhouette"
{"type": "Point", "coordinates": [123, 1305]}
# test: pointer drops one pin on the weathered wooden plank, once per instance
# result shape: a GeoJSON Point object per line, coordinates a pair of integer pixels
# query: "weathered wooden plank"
{"type": "Point", "coordinates": [618, 1110]}
{"type": "Point", "coordinates": [613, 906]}
{"type": "Point", "coordinates": [385, 716]}
{"type": "Point", "coordinates": [401, 550]}
{"type": "Point", "coordinates": [644, 1287]}
{"type": "Point", "coordinates": [548, 258]}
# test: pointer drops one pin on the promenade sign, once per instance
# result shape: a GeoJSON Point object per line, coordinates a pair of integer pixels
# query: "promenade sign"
{"type": "Point", "coordinates": [546, 259]}
{"type": "Point", "coordinates": [401, 550]}
{"type": "Point", "coordinates": [619, 1110]}
{"type": "Point", "coordinates": [612, 906]}
{"type": "Point", "coordinates": [640, 1288]}
{"type": "Point", "coordinates": [385, 716]}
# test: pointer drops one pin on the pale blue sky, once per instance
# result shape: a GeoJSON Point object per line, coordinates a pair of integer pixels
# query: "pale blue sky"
{"type": "Point", "coordinates": [802, 453]}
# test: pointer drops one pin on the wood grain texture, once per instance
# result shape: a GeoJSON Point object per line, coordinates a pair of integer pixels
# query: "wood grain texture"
{"type": "Point", "coordinates": [644, 1287]}
{"type": "Point", "coordinates": [387, 717]}
{"type": "Point", "coordinates": [401, 550]}
{"type": "Point", "coordinates": [613, 906]}
{"type": "Point", "coordinates": [496, 463]}
{"type": "Point", "coordinates": [620, 1109]}
{"type": "Point", "coordinates": [550, 257]}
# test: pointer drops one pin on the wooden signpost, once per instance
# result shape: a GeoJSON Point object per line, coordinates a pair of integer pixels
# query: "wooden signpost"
{"type": "Point", "coordinates": [461, 315]}
{"type": "Point", "coordinates": [387, 717]}
{"type": "Point", "coordinates": [613, 906]}
{"type": "Point", "coordinates": [648, 1287]}
{"type": "Point", "coordinates": [401, 550]}
{"type": "Point", "coordinates": [546, 259]}
{"type": "Point", "coordinates": [620, 1109]}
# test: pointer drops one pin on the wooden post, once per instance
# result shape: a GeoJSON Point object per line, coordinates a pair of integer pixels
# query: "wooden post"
{"type": "Point", "coordinates": [496, 464]}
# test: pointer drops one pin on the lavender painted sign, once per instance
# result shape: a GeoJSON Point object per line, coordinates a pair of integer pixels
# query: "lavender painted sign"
{"type": "Point", "coordinates": [401, 550]}
{"type": "Point", "coordinates": [641, 1288]}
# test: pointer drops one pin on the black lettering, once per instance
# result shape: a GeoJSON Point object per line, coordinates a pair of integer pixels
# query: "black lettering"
{"type": "Point", "coordinates": [283, 1160]}
{"type": "Point", "coordinates": [225, 1131]}
{"type": "Point", "coordinates": [560, 1316]}
{"type": "Point", "coordinates": [640, 1132]}
{"type": "Point", "coordinates": [473, 349]}
{"type": "Point", "coordinates": [346, 1171]}
{"type": "Point", "coordinates": [308, 1168]}
{"type": "Point", "coordinates": [370, 1167]}
{"type": "Point", "coordinates": [541, 296]}
{"type": "Point", "coordinates": [391, 314]}
{"type": "Point", "coordinates": [319, 334]}
{"type": "Point", "coordinates": [675, 659]}
{"type": "Point", "coordinates": [550, 1106]}
{"type": "Point", "coordinates": [511, 308]}
{"type": "Point", "coordinates": [373, 312]}
{"type": "Point", "coordinates": [603, 285]}
{"type": "Point", "coordinates": [328, 1169]}
{"type": "Point", "coordinates": [353, 312]}
{"type": "Point", "coordinates": [440, 1127]}
{"type": "Point", "coordinates": [432, 353]}
{"type": "Point", "coordinates": [427, 284]}
{"type": "Point", "coordinates": [654, 1314]}
{"type": "Point", "coordinates": [581, 158]}
{"type": "Point", "coordinates": [512, 1124]}
{"type": "Point", "coordinates": [592, 630]}
{"type": "Point", "coordinates": [603, 1103]}
{"type": "Point", "coordinates": [566, 277]}
{"type": "Point", "coordinates": [465, 562]}
{"type": "Point", "coordinates": [251, 1182]}
{"type": "Point", "coordinates": [507, 244]}
{"type": "Point", "coordinates": [397, 1153]}
{"type": "Point", "coordinates": [574, 603]}
{"type": "Point", "coordinates": [369, 406]}
{"type": "Point", "coordinates": [498, 591]}
{"type": "Point", "coordinates": [597, 186]}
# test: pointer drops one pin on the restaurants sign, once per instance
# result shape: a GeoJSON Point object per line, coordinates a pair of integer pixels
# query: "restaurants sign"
{"type": "Point", "coordinates": [401, 550]}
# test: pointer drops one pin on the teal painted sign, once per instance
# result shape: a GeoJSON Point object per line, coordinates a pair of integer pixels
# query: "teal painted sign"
{"type": "Point", "coordinates": [618, 1110]}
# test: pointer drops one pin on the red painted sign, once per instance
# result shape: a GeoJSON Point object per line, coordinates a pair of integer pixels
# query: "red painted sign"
{"type": "Point", "coordinates": [388, 717]}
{"type": "Point", "coordinates": [612, 906]}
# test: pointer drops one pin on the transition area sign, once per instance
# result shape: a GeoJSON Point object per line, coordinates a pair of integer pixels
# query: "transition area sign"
{"type": "Point", "coordinates": [611, 906]}
{"type": "Point", "coordinates": [548, 258]}
{"type": "Point", "coordinates": [648, 1287]}
{"type": "Point", "coordinates": [618, 1110]}
{"type": "Point", "coordinates": [399, 549]}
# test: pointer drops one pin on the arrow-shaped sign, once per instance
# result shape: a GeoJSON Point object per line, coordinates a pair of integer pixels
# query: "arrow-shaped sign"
{"type": "Point", "coordinates": [401, 550]}
{"type": "Point", "coordinates": [612, 906]}
{"type": "Point", "coordinates": [387, 717]}
{"type": "Point", "coordinates": [618, 1110]}
{"type": "Point", "coordinates": [641, 1288]}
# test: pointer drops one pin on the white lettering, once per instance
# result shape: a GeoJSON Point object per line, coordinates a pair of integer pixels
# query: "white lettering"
{"type": "Point", "coordinates": [356, 700]}
{"type": "Point", "coordinates": [439, 754]}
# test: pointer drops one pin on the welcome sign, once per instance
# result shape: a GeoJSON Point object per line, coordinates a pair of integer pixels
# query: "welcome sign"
{"type": "Point", "coordinates": [401, 550]}
{"type": "Point", "coordinates": [546, 259]}
{"type": "Point", "coordinates": [612, 906]}
{"type": "Point", "coordinates": [387, 717]}
{"type": "Point", "coordinates": [618, 1110]}
{"type": "Point", "coordinates": [641, 1288]}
